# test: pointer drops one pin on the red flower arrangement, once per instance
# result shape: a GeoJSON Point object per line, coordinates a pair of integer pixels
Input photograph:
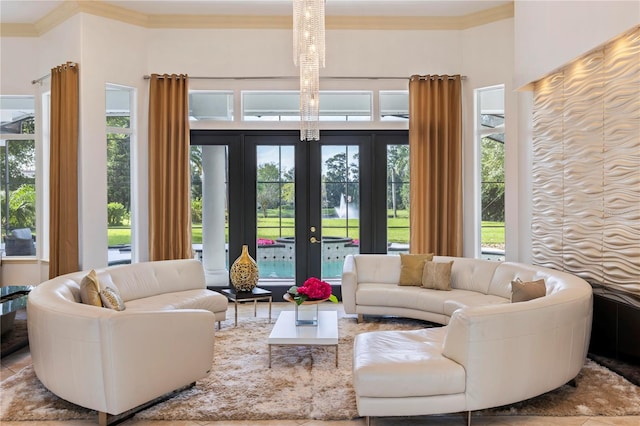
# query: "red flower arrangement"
{"type": "Point", "coordinates": [312, 289]}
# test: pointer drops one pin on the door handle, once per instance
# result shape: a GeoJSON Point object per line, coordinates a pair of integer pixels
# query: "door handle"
{"type": "Point", "coordinates": [314, 240]}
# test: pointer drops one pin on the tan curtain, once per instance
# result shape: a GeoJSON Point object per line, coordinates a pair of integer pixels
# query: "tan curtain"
{"type": "Point", "coordinates": [63, 175]}
{"type": "Point", "coordinates": [435, 147]}
{"type": "Point", "coordinates": [169, 175]}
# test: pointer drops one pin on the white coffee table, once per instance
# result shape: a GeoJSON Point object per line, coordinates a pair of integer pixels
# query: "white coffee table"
{"type": "Point", "coordinates": [285, 332]}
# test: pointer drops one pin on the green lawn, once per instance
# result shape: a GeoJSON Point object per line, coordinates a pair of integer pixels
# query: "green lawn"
{"type": "Point", "coordinates": [270, 228]}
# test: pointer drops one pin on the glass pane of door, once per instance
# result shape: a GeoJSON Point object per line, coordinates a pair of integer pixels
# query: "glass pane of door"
{"type": "Point", "coordinates": [397, 199]}
{"type": "Point", "coordinates": [340, 192]}
{"type": "Point", "coordinates": [275, 212]}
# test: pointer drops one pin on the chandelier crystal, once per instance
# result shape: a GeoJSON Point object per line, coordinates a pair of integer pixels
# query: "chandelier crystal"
{"type": "Point", "coordinates": [309, 55]}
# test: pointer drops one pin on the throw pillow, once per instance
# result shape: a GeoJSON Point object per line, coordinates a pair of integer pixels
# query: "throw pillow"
{"type": "Point", "coordinates": [90, 289]}
{"type": "Point", "coordinates": [523, 291]}
{"type": "Point", "coordinates": [437, 275]}
{"type": "Point", "coordinates": [111, 299]}
{"type": "Point", "coordinates": [411, 266]}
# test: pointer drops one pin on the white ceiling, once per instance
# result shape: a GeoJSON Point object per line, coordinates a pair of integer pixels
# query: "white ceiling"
{"type": "Point", "coordinates": [30, 11]}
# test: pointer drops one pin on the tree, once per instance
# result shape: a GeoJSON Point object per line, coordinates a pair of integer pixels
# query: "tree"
{"type": "Point", "coordinates": [196, 172]}
{"type": "Point", "coordinates": [268, 187]}
{"type": "Point", "coordinates": [341, 178]}
{"type": "Point", "coordinates": [119, 169]}
{"type": "Point", "coordinates": [17, 164]}
{"type": "Point", "coordinates": [22, 207]}
{"type": "Point", "coordinates": [119, 163]}
{"type": "Point", "coordinates": [398, 174]}
{"type": "Point", "coordinates": [492, 177]}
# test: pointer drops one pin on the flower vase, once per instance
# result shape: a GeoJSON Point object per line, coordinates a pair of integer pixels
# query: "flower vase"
{"type": "Point", "coordinates": [244, 272]}
{"type": "Point", "coordinates": [307, 314]}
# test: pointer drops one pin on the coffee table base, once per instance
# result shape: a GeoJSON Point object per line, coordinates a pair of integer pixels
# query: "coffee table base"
{"type": "Point", "coordinates": [286, 333]}
{"type": "Point", "coordinates": [336, 346]}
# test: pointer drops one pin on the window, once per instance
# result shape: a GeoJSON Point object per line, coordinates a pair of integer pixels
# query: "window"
{"type": "Point", "coordinates": [490, 138]}
{"type": "Point", "coordinates": [394, 105]}
{"type": "Point", "coordinates": [18, 168]}
{"type": "Point", "coordinates": [211, 105]}
{"type": "Point", "coordinates": [285, 106]}
{"type": "Point", "coordinates": [119, 132]}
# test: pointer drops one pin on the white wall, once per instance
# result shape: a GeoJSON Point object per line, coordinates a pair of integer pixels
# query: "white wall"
{"type": "Point", "coordinates": [101, 64]}
{"type": "Point", "coordinates": [550, 34]}
{"type": "Point", "coordinates": [18, 60]}
{"type": "Point", "coordinates": [487, 55]}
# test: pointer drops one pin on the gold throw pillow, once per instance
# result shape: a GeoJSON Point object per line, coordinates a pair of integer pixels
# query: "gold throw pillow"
{"type": "Point", "coordinates": [437, 275]}
{"type": "Point", "coordinates": [523, 291]}
{"type": "Point", "coordinates": [111, 299]}
{"type": "Point", "coordinates": [411, 266]}
{"type": "Point", "coordinates": [90, 289]}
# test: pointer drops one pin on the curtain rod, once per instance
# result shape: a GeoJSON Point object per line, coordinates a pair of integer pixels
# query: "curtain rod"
{"type": "Point", "coordinates": [44, 77]}
{"type": "Point", "coordinates": [463, 77]}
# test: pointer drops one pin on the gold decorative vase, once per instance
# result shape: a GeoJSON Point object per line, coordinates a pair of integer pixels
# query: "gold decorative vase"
{"type": "Point", "coordinates": [244, 271]}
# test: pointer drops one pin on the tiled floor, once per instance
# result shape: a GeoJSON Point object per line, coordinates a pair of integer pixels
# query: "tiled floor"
{"type": "Point", "coordinates": [22, 358]}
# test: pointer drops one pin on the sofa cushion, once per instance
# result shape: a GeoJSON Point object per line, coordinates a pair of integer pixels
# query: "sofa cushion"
{"type": "Point", "coordinates": [378, 268]}
{"type": "Point", "coordinates": [145, 279]}
{"type": "Point", "coordinates": [424, 371]}
{"type": "Point", "coordinates": [470, 274]}
{"type": "Point", "coordinates": [469, 300]}
{"type": "Point", "coordinates": [411, 267]}
{"type": "Point", "coordinates": [523, 291]}
{"type": "Point", "coordinates": [418, 298]}
{"type": "Point", "coordinates": [90, 289]}
{"type": "Point", "coordinates": [111, 299]}
{"type": "Point", "coordinates": [189, 299]}
{"type": "Point", "coordinates": [509, 271]}
{"type": "Point", "coordinates": [437, 275]}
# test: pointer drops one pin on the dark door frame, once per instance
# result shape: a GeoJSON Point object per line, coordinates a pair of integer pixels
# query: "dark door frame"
{"type": "Point", "coordinates": [242, 181]}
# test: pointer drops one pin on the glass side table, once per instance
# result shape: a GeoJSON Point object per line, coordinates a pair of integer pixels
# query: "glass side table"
{"type": "Point", "coordinates": [243, 296]}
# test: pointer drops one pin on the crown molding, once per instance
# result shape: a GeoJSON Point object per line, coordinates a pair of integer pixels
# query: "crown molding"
{"type": "Point", "coordinates": [72, 7]}
{"type": "Point", "coordinates": [487, 16]}
{"type": "Point", "coordinates": [18, 30]}
{"type": "Point", "coordinates": [220, 21]}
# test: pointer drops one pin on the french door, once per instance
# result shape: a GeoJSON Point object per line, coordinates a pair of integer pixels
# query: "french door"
{"type": "Point", "coordinates": [301, 207]}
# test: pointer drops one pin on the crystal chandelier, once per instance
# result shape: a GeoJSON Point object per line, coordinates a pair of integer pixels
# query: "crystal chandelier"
{"type": "Point", "coordinates": [308, 54]}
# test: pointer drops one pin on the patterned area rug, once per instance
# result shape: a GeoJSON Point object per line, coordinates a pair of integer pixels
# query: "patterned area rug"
{"type": "Point", "coordinates": [303, 383]}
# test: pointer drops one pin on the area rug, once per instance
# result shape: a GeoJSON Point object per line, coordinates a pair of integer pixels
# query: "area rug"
{"type": "Point", "coordinates": [303, 383]}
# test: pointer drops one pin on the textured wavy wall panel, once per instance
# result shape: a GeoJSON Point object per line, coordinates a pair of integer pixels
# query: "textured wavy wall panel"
{"type": "Point", "coordinates": [586, 166]}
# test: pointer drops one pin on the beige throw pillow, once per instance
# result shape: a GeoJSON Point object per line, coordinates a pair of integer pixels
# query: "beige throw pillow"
{"type": "Point", "coordinates": [411, 266]}
{"type": "Point", "coordinates": [437, 275]}
{"type": "Point", "coordinates": [111, 299]}
{"type": "Point", "coordinates": [523, 291]}
{"type": "Point", "coordinates": [90, 289]}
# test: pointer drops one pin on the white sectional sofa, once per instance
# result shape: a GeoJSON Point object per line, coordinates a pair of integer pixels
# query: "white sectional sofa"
{"type": "Point", "coordinates": [113, 361]}
{"type": "Point", "coordinates": [490, 352]}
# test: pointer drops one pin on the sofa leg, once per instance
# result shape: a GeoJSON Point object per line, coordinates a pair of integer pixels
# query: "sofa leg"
{"type": "Point", "coordinates": [468, 418]}
{"type": "Point", "coordinates": [360, 318]}
{"type": "Point", "coordinates": [105, 419]}
{"type": "Point", "coordinates": [367, 421]}
{"type": "Point", "coordinates": [102, 418]}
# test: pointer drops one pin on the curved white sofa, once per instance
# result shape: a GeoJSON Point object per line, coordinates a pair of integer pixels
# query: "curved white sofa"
{"type": "Point", "coordinates": [490, 352]}
{"type": "Point", "coordinates": [112, 361]}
